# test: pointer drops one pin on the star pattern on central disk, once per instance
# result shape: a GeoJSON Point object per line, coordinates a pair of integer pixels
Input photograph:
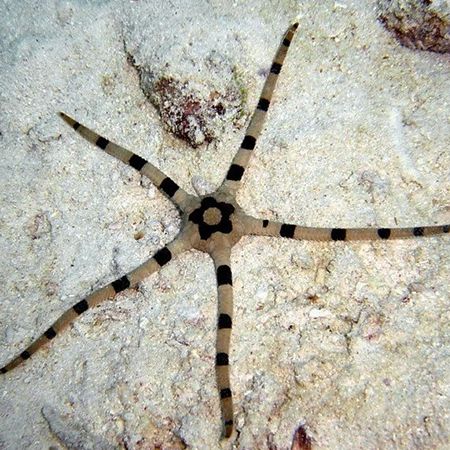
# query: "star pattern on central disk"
{"type": "Point", "coordinates": [206, 229]}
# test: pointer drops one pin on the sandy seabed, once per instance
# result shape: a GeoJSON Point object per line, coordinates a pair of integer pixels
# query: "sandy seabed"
{"type": "Point", "coordinates": [347, 340]}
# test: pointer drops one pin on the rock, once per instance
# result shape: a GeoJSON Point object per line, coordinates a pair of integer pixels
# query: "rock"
{"type": "Point", "coordinates": [418, 24]}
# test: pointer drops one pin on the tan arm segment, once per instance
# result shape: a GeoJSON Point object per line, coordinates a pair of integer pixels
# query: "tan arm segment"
{"type": "Point", "coordinates": [130, 280]}
{"type": "Point", "coordinates": [164, 183]}
{"type": "Point", "coordinates": [243, 155]}
{"type": "Point", "coordinates": [263, 227]}
{"type": "Point", "coordinates": [224, 324]}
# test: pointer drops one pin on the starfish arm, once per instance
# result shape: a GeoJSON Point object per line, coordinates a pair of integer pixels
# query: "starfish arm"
{"type": "Point", "coordinates": [263, 227]}
{"type": "Point", "coordinates": [164, 183]}
{"type": "Point", "coordinates": [222, 266]}
{"type": "Point", "coordinates": [242, 157]}
{"type": "Point", "coordinates": [130, 280]}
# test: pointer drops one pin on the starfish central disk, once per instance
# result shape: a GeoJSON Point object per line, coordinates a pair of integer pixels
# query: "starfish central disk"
{"type": "Point", "coordinates": [212, 216]}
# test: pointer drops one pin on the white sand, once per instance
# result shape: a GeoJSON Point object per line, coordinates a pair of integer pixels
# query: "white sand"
{"type": "Point", "coordinates": [350, 340]}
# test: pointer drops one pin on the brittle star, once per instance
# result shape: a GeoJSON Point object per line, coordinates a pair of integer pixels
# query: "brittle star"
{"type": "Point", "coordinates": [213, 223]}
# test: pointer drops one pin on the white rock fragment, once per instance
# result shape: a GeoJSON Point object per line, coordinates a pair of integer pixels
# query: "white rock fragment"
{"type": "Point", "coordinates": [315, 313]}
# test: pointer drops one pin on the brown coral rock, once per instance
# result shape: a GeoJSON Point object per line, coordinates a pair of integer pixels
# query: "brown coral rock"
{"type": "Point", "coordinates": [191, 115]}
{"type": "Point", "coordinates": [418, 24]}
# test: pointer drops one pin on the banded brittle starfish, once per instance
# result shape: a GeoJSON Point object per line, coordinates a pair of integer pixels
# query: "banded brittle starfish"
{"type": "Point", "coordinates": [213, 223]}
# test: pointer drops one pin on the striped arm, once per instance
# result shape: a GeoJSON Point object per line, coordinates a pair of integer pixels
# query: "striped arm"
{"type": "Point", "coordinates": [242, 157]}
{"type": "Point", "coordinates": [269, 228]}
{"type": "Point", "coordinates": [224, 322]}
{"type": "Point", "coordinates": [130, 280]}
{"type": "Point", "coordinates": [164, 183]}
